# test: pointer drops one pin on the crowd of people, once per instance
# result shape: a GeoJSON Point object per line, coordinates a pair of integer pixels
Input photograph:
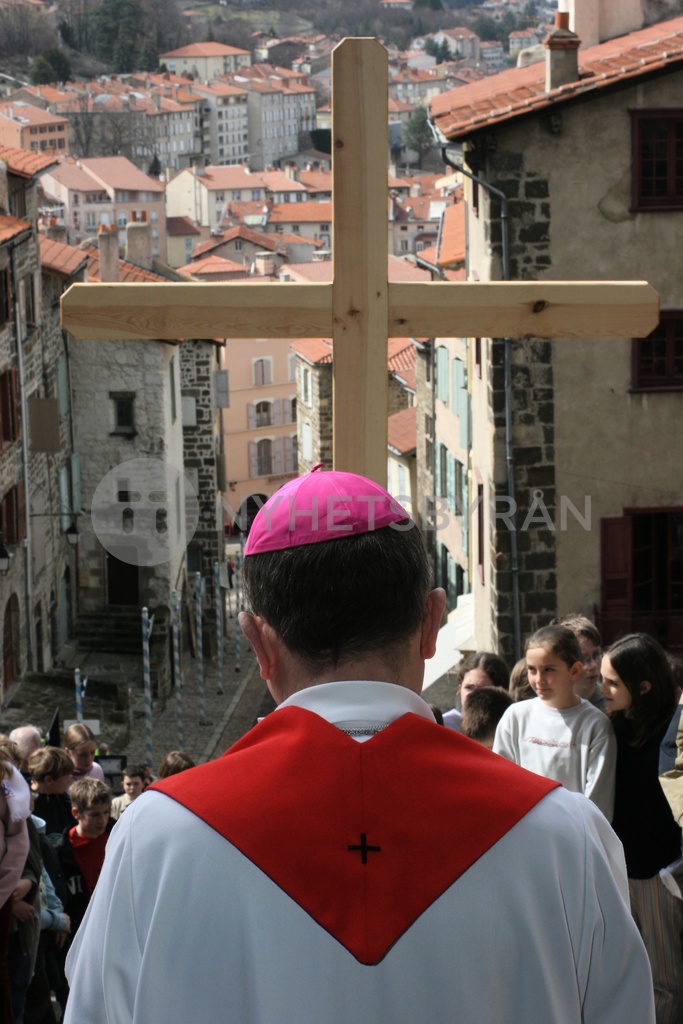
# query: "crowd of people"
{"type": "Point", "coordinates": [603, 724]}
{"type": "Point", "coordinates": [348, 859]}
{"type": "Point", "coordinates": [56, 814]}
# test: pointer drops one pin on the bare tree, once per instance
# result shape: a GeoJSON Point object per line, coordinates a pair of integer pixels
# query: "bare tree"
{"type": "Point", "coordinates": [25, 31]}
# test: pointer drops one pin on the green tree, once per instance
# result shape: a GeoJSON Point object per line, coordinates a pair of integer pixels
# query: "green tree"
{"type": "Point", "coordinates": [154, 167]}
{"type": "Point", "coordinates": [42, 72]}
{"type": "Point", "coordinates": [417, 135]}
{"type": "Point", "coordinates": [60, 62]}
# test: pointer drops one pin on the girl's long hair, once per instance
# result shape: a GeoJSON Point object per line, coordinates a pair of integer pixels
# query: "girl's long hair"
{"type": "Point", "coordinates": [639, 658]}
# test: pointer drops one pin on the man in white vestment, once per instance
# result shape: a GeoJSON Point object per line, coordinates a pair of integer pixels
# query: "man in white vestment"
{"type": "Point", "coordinates": [349, 861]}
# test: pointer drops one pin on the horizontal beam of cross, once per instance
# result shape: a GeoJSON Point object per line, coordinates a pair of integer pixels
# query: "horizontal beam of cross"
{"type": "Point", "coordinates": [502, 309]}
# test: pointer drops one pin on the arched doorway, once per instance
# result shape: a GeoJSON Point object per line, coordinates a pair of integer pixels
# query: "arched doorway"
{"type": "Point", "coordinates": [10, 642]}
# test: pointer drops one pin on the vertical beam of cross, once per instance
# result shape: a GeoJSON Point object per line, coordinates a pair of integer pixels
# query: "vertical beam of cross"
{"type": "Point", "coordinates": [360, 146]}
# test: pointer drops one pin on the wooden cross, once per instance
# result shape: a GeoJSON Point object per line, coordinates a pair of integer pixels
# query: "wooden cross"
{"type": "Point", "coordinates": [360, 309]}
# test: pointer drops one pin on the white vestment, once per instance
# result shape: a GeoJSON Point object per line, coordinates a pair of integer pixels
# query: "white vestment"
{"type": "Point", "coordinates": [183, 927]}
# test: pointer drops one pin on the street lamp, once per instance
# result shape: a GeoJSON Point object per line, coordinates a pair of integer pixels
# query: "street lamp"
{"type": "Point", "coordinates": [71, 534]}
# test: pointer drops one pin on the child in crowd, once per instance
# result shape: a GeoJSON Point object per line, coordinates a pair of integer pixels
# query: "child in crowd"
{"type": "Point", "coordinates": [15, 808]}
{"type": "Point", "coordinates": [519, 682]}
{"type": "Point", "coordinates": [590, 642]}
{"type": "Point", "coordinates": [175, 761]}
{"type": "Point", "coordinates": [133, 785]}
{"type": "Point", "coordinates": [479, 669]}
{"type": "Point", "coordinates": [50, 769]}
{"type": "Point", "coordinates": [558, 734]}
{"type": "Point", "coordinates": [640, 693]}
{"type": "Point", "coordinates": [80, 745]}
{"type": "Point", "coordinates": [482, 713]}
{"type": "Point", "coordinates": [81, 848]}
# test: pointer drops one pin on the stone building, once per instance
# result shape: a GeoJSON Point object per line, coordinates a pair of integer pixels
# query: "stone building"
{"type": "Point", "coordinates": [38, 465]}
{"type": "Point", "coordinates": [138, 404]}
{"type": "Point", "coordinates": [580, 484]}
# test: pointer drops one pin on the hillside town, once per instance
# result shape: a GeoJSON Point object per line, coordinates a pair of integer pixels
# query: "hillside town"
{"type": "Point", "coordinates": [526, 141]}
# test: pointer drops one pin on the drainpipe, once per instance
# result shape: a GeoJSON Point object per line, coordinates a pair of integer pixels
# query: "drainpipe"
{"type": "Point", "coordinates": [509, 459]}
{"type": "Point", "coordinates": [28, 554]}
{"type": "Point", "coordinates": [432, 371]}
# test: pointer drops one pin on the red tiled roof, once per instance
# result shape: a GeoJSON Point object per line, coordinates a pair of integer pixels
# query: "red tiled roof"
{"type": "Point", "coordinates": [24, 162]}
{"type": "Point", "coordinates": [452, 242]}
{"type": "Point", "coordinates": [314, 350]}
{"type": "Point", "coordinates": [272, 241]}
{"type": "Point", "coordinates": [400, 355]}
{"type": "Point", "coordinates": [177, 227]}
{"type": "Point", "coordinates": [203, 50]}
{"type": "Point", "coordinates": [10, 227]}
{"type": "Point", "coordinates": [402, 430]}
{"type": "Point", "coordinates": [21, 110]}
{"type": "Point", "coordinates": [60, 258]}
{"type": "Point", "coordinates": [286, 213]}
{"type": "Point", "coordinates": [520, 91]}
{"type": "Point", "coordinates": [401, 360]}
{"type": "Point", "coordinates": [128, 272]}
{"type": "Point", "coordinates": [212, 265]}
{"type": "Point", "coordinates": [398, 270]}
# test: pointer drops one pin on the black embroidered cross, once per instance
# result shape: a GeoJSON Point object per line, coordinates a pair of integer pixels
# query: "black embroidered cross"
{"type": "Point", "coordinates": [364, 848]}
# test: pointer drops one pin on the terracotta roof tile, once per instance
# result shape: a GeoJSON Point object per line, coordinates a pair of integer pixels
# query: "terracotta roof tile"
{"type": "Point", "coordinates": [24, 162]}
{"type": "Point", "coordinates": [203, 50]}
{"type": "Point", "coordinates": [400, 355]}
{"type": "Point", "coordinates": [128, 272]}
{"type": "Point", "coordinates": [212, 265]}
{"type": "Point", "coordinates": [321, 270]}
{"type": "Point", "coordinates": [519, 91]}
{"type": "Point", "coordinates": [286, 213]}
{"type": "Point", "coordinates": [177, 227]}
{"type": "Point", "coordinates": [118, 172]}
{"type": "Point", "coordinates": [60, 258]}
{"type": "Point", "coordinates": [402, 430]}
{"type": "Point", "coordinates": [20, 111]}
{"type": "Point", "coordinates": [10, 227]}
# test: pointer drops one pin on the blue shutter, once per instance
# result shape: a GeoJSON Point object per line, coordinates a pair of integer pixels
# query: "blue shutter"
{"type": "Point", "coordinates": [251, 417]}
{"type": "Point", "coordinates": [64, 503]}
{"type": "Point", "coordinates": [437, 469]}
{"type": "Point", "coordinates": [442, 373]}
{"type": "Point", "coordinates": [76, 482]}
{"type": "Point", "coordinates": [253, 459]}
{"type": "Point", "coordinates": [63, 387]}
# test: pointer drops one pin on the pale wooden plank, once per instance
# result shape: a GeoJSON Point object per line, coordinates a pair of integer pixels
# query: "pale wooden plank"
{"type": "Point", "coordinates": [513, 309]}
{"type": "Point", "coordinates": [172, 310]}
{"type": "Point", "coordinates": [360, 291]}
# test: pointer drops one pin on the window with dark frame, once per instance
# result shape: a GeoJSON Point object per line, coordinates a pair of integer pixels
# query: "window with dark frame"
{"type": "Point", "coordinates": [124, 412]}
{"type": "Point", "coordinates": [480, 532]}
{"type": "Point", "coordinates": [9, 406]}
{"type": "Point", "coordinates": [5, 300]}
{"type": "Point", "coordinates": [264, 455]}
{"type": "Point", "coordinates": [658, 359]}
{"type": "Point", "coordinates": [657, 159]}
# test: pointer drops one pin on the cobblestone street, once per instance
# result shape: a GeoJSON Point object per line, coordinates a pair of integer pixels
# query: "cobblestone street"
{"type": "Point", "coordinates": [227, 715]}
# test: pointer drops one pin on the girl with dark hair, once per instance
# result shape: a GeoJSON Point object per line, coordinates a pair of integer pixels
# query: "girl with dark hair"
{"type": "Point", "coordinates": [479, 669]}
{"type": "Point", "coordinates": [639, 689]}
{"type": "Point", "coordinates": [557, 733]}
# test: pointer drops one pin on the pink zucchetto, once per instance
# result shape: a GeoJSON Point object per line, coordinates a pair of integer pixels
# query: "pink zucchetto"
{"type": "Point", "coordinates": [319, 507]}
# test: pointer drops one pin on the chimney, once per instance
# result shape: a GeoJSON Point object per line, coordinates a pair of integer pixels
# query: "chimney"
{"type": "Point", "coordinates": [596, 21]}
{"type": "Point", "coordinates": [561, 54]}
{"type": "Point", "coordinates": [139, 244]}
{"type": "Point", "coordinates": [56, 230]}
{"type": "Point", "coordinates": [108, 244]}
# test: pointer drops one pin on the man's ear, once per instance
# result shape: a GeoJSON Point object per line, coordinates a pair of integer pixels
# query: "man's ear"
{"type": "Point", "coordinates": [645, 687]}
{"type": "Point", "coordinates": [431, 622]}
{"type": "Point", "coordinates": [254, 629]}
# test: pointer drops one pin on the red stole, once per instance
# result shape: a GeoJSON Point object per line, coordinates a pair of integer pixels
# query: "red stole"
{"type": "Point", "coordinates": [363, 836]}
